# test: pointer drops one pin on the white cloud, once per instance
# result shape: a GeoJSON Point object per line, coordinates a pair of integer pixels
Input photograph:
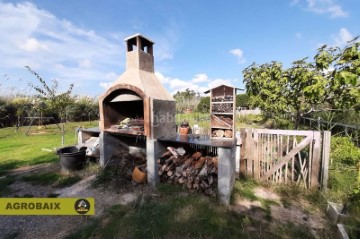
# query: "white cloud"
{"type": "Point", "coordinates": [166, 43]}
{"type": "Point", "coordinates": [199, 83]}
{"type": "Point", "coordinates": [298, 35]}
{"type": "Point", "coordinates": [218, 82]}
{"type": "Point", "coordinates": [111, 76]}
{"type": "Point", "coordinates": [54, 48]}
{"type": "Point", "coordinates": [337, 11]}
{"type": "Point", "coordinates": [179, 84]}
{"type": "Point", "coordinates": [86, 63]}
{"type": "Point", "coordinates": [239, 54]}
{"type": "Point", "coordinates": [200, 78]}
{"type": "Point", "coordinates": [329, 7]}
{"type": "Point", "coordinates": [343, 37]}
{"type": "Point", "coordinates": [162, 78]}
{"type": "Point", "coordinates": [32, 45]}
{"type": "Point", "coordinates": [105, 85]}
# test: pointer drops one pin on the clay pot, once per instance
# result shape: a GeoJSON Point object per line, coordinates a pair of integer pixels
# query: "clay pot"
{"type": "Point", "coordinates": [184, 130]}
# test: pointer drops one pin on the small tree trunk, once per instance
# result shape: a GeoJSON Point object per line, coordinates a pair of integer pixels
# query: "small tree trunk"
{"type": "Point", "coordinates": [297, 119]}
{"type": "Point", "coordinates": [62, 134]}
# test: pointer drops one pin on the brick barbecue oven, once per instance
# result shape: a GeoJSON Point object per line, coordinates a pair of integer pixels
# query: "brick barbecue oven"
{"type": "Point", "coordinates": [136, 109]}
{"type": "Point", "coordinates": [137, 116]}
{"type": "Point", "coordinates": [137, 95]}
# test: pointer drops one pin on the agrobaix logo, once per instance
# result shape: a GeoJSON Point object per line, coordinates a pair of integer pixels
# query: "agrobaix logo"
{"type": "Point", "coordinates": [82, 206]}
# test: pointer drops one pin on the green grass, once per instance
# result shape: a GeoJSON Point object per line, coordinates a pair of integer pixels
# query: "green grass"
{"type": "Point", "coordinates": [245, 189]}
{"type": "Point", "coordinates": [171, 212]}
{"type": "Point", "coordinates": [168, 215]}
{"type": "Point", "coordinates": [201, 119]}
{"type": "Point", "coordinates": [17, 149]}
{"type": "Point", "coordinates": [53, 179]}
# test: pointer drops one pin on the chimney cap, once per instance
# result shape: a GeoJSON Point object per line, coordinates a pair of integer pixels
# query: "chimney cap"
{"type": "Point", "coordinates": [138, 35]}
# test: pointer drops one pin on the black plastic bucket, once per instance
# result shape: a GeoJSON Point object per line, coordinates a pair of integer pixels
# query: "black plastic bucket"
{"type": "Point", "coordinates": [72, 158]}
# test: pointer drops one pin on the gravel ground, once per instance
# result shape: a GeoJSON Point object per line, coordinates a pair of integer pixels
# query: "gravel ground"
{"type": "Point", "coordinates": [59, 226]}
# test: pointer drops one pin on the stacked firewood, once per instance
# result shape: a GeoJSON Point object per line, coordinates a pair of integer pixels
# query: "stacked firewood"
{"type": "Point", "coordinates": [222, 98]}
{"type": "Point", "coordinates": [194, 170]}
{"type": "Point", "coordinates": [222, 108]}
{"type": "Point", "coordinates": [220, 133]}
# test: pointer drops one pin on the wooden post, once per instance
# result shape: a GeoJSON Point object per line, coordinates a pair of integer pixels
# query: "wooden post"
{"type": "Point", "coordinates": [325, 159]}
{"type": "Point", "coordinates": [255, 155]}
{"type": "Point", "coordinates": [249, 149]}
{"type": "Point", "coordinates": [316, 161]}
{"type": "Point", "coordinates": [243, 153]}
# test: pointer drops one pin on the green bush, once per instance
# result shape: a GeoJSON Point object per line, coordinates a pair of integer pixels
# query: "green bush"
{"type": "Point", "coordinates": [204, 105]}
{"type": "Point", "coordinates": [278, 123]}
{"type": "Point", "coordinates": [344, 151]}
{"type": "Point", "coordinates": [250, 119]}
{"type": "Point", "coordinates": [242, 100]}
{"type": "Point", "coordinates": [343, 170]}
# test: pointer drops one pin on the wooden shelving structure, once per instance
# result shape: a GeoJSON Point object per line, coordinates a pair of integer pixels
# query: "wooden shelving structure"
{"type": "Point", "coordinates": [222, 112]}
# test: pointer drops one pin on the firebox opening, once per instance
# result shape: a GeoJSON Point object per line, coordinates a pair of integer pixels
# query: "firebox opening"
{"type": "Point", "coordinates": [125, 113]}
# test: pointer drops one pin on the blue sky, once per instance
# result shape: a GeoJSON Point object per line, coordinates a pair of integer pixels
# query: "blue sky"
{"type": "Point", "coordinates": [198, 44]}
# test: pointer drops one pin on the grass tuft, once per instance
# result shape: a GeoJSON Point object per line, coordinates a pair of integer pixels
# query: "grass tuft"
{"type": "Point", "coordinates": [51, 179]}
{"type": "Point", "coordinates": [4, 184]}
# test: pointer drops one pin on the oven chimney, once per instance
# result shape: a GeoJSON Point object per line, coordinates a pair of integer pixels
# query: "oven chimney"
{"type": "Point", "coordinates": [139, 54]}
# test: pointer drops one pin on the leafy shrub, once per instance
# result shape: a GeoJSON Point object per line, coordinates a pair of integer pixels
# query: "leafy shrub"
{"type": "Point", "coordinates": [250, 119]}
{"type": "Point", "coordinates": [242, 100]}
{"type": "Point", "coordinates": [278, 123]}
{"type": "Point", "coordinates": [343, 151]}
{"type": "Point", "coordinates": [204, 105]}
{"type": "Point", "coordinates": [343, 170]}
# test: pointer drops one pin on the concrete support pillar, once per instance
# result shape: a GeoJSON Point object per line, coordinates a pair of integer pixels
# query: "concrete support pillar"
{"type": "Point", "coordinates": [153, 151]}
{"type": "Point", "coordinates": [226, 173]}
{"type": "Point", "coordinates": [107, 144]}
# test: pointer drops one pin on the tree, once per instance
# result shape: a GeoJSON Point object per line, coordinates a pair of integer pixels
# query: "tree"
{"type": "Point", "coordinates": [57, 102]}
{"type": "Point", "coordinates": [242, 100]}
{"type": "Point", "coordinates": [341, 68]}
{"type": "Point", "coordinates": [333, 78]}
{"type": "Point", "coordinates": [265, 85]}
{"type": "Point", "coordinates": [204, 105]}
{"type": "Point", "coordinates": [83, 108]}
{"type": "Point", "coordinates": [187, 99]}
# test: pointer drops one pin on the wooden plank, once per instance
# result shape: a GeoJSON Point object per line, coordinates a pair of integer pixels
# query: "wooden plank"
{"type": "Point", "coordinates": [285, 132]}
{"type": "Point", "coordinates": [262, 155]}
{"type": "Point", "coordinates": [310, 160]}
{"type": "Point", "coordinates": [316, 161]}
{"type": "Point", "coordinates": [293, 162]}
{"type": "Point", "coordinates": [255, 155]}
{"type": "Point", "coordinates": [287, 157]}
{"type": "Point", "coordinates": [325, 159]}
{"type": "Point", "coordinates": [249, 148]}
{"type": "Point", "coordinates": [243, 153]}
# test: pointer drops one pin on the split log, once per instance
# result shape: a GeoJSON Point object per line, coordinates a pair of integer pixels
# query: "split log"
{"type": "Point", "coordinates": [218, 133]}
{"type": "Point", "coordinates": [228, 133]}
{"type": "Point", "coordinates": [196, 155]}
{"type": "Point", "coordinates": [198, 164]}
{"type": "Point", "coordinates": [195, 171]}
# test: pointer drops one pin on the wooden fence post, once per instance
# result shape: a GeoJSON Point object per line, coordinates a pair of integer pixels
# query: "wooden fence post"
{"type": "Point", "coordinates": [243, 153]}
{"type": "Point", "coordinates": [255, 155]}
{"type": "Point", "coordinates": [316, 161]}
{"type": "Point", "coordinates": [249, 153]}
{"type": "Point", "coordinates": [325, 159]}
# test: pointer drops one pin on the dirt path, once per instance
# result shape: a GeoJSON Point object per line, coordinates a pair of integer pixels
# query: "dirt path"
{"type": "Point", "coordinates": [58, 226]}
{"type": "Point", "coordinates": [268, 207]}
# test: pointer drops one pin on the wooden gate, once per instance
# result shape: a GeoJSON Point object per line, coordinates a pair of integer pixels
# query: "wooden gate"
{"type": "Point", "coordinates": [284, 156]}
